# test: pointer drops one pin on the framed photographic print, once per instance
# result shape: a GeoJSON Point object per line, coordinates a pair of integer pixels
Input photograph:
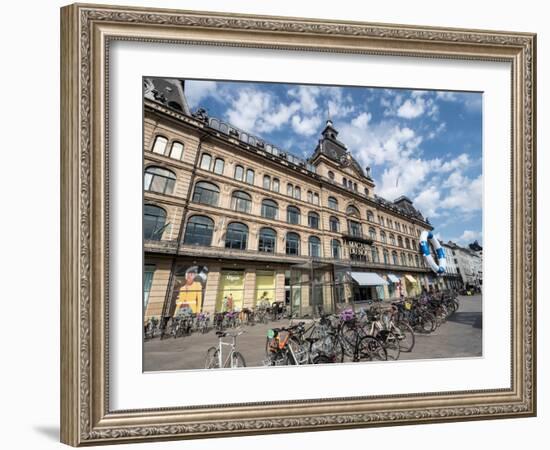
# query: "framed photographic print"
{"type": "Point", "coordinates": [283, 224]}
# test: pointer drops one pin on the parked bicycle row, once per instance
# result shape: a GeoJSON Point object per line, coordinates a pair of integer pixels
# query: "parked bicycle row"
{"type": "Point", "coordinates": [188, 323]}
{"type": "Point", "coordinates": [373, 333]}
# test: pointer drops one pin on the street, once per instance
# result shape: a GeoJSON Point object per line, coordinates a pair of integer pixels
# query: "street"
{"type": "Point", "coordinates": [459, 336]}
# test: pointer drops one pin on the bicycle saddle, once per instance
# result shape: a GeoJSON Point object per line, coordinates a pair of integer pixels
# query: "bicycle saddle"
{"type": "Point", "coordinates": [221, 333]}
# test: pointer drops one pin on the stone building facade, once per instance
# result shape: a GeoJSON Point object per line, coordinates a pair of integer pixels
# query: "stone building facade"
{"type": "Point", "coordinates": [231, 220]}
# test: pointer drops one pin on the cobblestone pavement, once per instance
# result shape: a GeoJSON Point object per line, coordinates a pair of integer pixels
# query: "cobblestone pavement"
{"type": "Point", "coordinates": [460, 336]}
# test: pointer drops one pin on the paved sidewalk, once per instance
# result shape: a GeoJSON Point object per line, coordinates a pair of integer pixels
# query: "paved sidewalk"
{"type": "Point", "coordinates": [460, 336]}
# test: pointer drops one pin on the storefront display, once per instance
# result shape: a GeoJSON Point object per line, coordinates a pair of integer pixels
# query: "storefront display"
{"type": "Point", "coordinates": [231, 291]}
{"type": "Point", "coordinates": [189, 288]}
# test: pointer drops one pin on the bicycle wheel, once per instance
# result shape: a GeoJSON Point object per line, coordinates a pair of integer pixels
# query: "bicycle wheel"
{"type": "Point", "coordinates": [405, 334]}
{"type": "Point", "coordinates": [391, 344]}
{"type": "Point", "coordinates": [236, 360]}
{"type": "Point", "coordinates": [426, 323]}
{"type": "Point", "coordinates": [322, 359]}
{"type": "Point", "coordinates": [371, 349]}
{"type": "Point", "coordinates": [212, 358]}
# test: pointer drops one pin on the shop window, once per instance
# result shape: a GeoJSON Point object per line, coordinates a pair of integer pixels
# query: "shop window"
{"type": "Point", "coordinates": [189, 288]}
{"type": "Point", "coordinates": [148, 274]}
{"type": "Point", "coordinates": [231, 291]}
{"type": "Point", "coordinates": [265, 288]}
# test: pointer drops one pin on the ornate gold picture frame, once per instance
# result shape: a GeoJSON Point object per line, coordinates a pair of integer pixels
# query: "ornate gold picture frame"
{"type": "Point", "coordinates": [87, 32]}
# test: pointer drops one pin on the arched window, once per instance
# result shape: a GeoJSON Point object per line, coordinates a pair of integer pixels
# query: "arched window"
{"type": "Point", "coordinates": [154, 222]}
{"type": "Point", "coordinates": [160, 145]}
{"type": "Point", "coordinates": [218, 166]}
{"type": "Point", "coordinates": [199, 231]}
{"type": "Point", "coordinates": [297, 193]}
{"type": "Point", "coordinates": [267, 182]}
{"type": "Point", "coordinates": [239, 173]}
{"type": "Point", "coordinates": [250, 176]}
{"type": "Point", "coordinates": [314, 247]}
{"type": "Point", "coordinates": [176, 151]}
{"type": "Point", "coordinates": [159, 180]}
{"type": "Point", "coordinates": [334, 224]}
{"type": "Point", "coordinates": [394, 257]}
{"type": "Point", "coordinates": [206, 193]}
{"type": "Point", "coordinates": [270, 209]}
{"type": "Point", "coordinates": [386, 257]}
{"type": "Point", "coordinates": [290, 190]}
{"type": "Point", "coordinates": [410, 259]}
{"type": "Point", "coordinates": [206, 161]}
{"type": "Point", "coordinates": [241, 201]}
{"type": "Point", "coordinates": [370, 216]}
{"type": "Point", "coordinates": [310, 197]}
{"type": "Point", "coordinates": [392, 239]}
{"type": "Point", "coordinates": [345, 182]}
{"type": "Point", "coordinates": [333, 203]}
{"type": "Point", "coordinates": [267, 240]}
{"type": "Point", "coordinates": [399, 241]}
{"type": "Point", "coordinates": [336, 249]}
{"type": "Point", "coordinates": [313, 220]}
{"type": "Point", "coordinates": [352, 211]}
{"type": "Point", "coordinates": [293, 215]}
{"type": "Point", "coordinates": [381, 220]}
{"type": "Point", "coordinates": [236, 236]}
{"type": "Point", "coordinates": [374, 254]}
{"type": "Point", "coordinates": [355, 186]}
{"type": "Point", "coordinates": [366, 191]}
{"type": "Point", "coordinates": [275, 185]}
{"type": "Point", "coordinates": [416, 260]}
{"type": "Point", "coordinates": [292, 244]}
{"type": "Point", "coordinates": [403, 260]}
{"type": "Point", "coordinates": [413, 245]}
{"type": "Point", "coordinates": [407, 243]}
{"type": "Point", "coordinates": [354, 228]}
{"type": "Point", "coordinates": [350, 184]}
{"type": "Point", "coordinates": [315, 198]}
{"type": "Point", "coordinates": [331, 174]}
{"type": "Point", "coordinates": [383, 237]}
{"type": "Point", "coordinates": [372, 233]}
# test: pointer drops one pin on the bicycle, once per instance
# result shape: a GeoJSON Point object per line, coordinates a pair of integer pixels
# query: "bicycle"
{"type": "Point", "coordinates": [214, 355]}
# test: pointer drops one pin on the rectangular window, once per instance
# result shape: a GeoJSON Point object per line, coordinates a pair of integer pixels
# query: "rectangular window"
{"type": "Point", "coordinates": [218, 166]}
{"type": "Point", "coordinates": [265, 288]}
{"type": "Point", "coordinates": [206, 160]}
{"type": "Point", "coordinates": [231, 291]}
{"type": "Point", "coordinates": [148, 273]}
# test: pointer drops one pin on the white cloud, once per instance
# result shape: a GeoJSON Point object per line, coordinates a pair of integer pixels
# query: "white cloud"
{"type": "Point", "coordinates": [428, 201]}
{"type": "Point", "coordinates": [258, 111]}
{"type": "Point", "coordinates": [460, 162]}
{"type": "Point", "coordinates": [196, 91]}
{"type": "Point", "coordinates": [307, 97]}
{"type": "Point", "coordinates": [411, 109]}
{"type": "Point", "coordinates": [468, 236]}
{"type": "Point", "coordinates": [306, 126]}
{"type": "Point", "coordinates": [465, 194]}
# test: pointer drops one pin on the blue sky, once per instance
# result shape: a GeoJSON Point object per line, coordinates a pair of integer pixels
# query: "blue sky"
{"type": "Point", "coordinates": [423, 144]}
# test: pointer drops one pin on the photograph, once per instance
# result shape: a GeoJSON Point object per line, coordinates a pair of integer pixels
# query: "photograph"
{"type": "Point", "coordinates": [291, 224]}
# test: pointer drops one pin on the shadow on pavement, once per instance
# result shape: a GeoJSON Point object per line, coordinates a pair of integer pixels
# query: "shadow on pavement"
{"type": "Point", "coordinates": [467, 318]}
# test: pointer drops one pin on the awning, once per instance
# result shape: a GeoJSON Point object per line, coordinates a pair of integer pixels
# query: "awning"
{"type": "Point", "coordinates": [393, 278]}
{"type": "Point", "coordinates": [411, 278]}
{"type": "Point", "coordinates": [368, 279]}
